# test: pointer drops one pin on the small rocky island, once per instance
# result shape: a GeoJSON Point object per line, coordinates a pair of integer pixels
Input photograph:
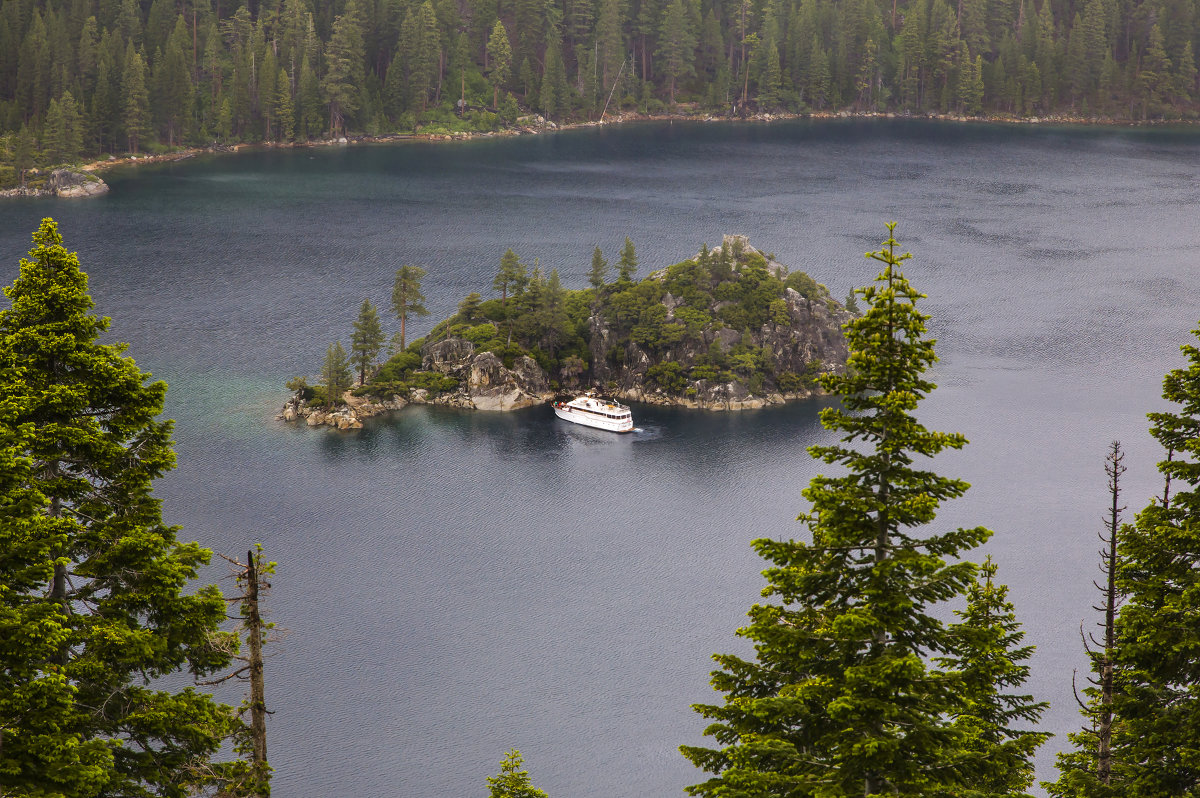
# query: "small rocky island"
{"type": "Point", "coordinates": [728, 329]}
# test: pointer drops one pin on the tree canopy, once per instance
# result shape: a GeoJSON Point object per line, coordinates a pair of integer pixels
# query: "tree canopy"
{"type": "Point", "coordinates": [93, 579]}
{"type": "Point", "coordinates": [86, 77]}
{"type": "Point", "coordinates": [843, 696]}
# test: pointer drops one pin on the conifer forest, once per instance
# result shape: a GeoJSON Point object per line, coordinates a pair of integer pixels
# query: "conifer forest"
{"type": "Point", "coordinates": [86, 77]}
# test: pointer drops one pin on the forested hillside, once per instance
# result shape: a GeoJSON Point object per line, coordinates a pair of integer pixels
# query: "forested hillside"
{"type": "Point", "coordinates": [80, 77]}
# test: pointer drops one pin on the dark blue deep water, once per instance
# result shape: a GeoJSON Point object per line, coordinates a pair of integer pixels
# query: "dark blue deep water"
{"type": "Point", "coordinates": [458, 584]}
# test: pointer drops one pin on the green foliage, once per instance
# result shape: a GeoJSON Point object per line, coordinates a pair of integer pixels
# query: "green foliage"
{"type": "Point", "coordinates": [599, 271]}
{"type": "Point", "coordinates": [990, 659]}
{"type": "Point", "coordinates": [1156, 703]}
{"type": "Point", "coordinates": [407, 299]}
{"type": "Point", "coordinates": [94, 587]}
{"type": "Point", "coordinates": [300, 386]}
{"type": "Point", "coordinates": [468, 308]}
{"type": "Point", "coordinates": [398, 366]}
{"type": "Point", "coordinates": [335, 374]}
{"type": "Point", "coordinates": [627, 266]}
{"type": "Point", "coordinates": [668, 376]}
{"type": "Point", "coordinates": [512, 781]}
{"type": "Point", "coordinates": [842, 698]}
{"type": "Point", "coordinates": [851, 303]}
{"type": "Point", "coordinates": [804, 285]}
{"type": "Point", "coordinates": [113, 76]}
{"type": "Point", "coordinates": [500, 53]}
{"type": "Point", "coordinates": [480, 334]}
{"type": "Point", "coordinates": [366, 342]}
{"type": "Point", "coordinates": [433, 382]}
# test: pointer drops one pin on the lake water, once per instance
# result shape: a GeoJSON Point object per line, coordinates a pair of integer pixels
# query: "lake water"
{"type": "Point", "coordinates": [458, 584]}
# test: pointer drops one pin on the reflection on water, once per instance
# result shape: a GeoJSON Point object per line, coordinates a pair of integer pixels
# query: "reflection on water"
{"type": "Point", "coordinates": [457, 583]}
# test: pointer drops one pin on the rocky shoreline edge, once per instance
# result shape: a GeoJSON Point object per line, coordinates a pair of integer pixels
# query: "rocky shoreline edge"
{"type": "Point", "coordinates": [354, 410]}
{"type": "Point", "coordinates": [63, 183]}
{"type": "Point", "coordinates": [486, 384]}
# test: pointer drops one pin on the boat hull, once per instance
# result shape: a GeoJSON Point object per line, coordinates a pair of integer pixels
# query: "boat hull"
{"type": "Point", "coordinates": [568, 413]}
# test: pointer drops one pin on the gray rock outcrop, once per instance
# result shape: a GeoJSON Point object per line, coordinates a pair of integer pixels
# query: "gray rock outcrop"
{"type": "Point", "coordinates": [484, 381]}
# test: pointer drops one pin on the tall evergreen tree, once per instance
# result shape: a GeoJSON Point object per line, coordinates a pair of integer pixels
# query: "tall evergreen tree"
{"type": "Point", "coordinates": [136, 100]}
{"type": "Point", "coordinates": [1157, 695]}
{"type": "Point", "coordinates": [367, 340]}
{"type": "Point", "coordinates": [344, 73]}
{"type": "Point", "coordinates": [407, 299]}
{"type": "Point", "coordinates": [335, 373]}
{"type": "Point", "coordinates": [499, 52]}
{"type": "Point", "coordinates": [38, 751]}
{"type": "Point", "coordinates": [676, 45]}
{"type": "Point", "coordinates": [627, 266]}
{"type": "Point", "coordinates": [553, 94]}
{"type": "Point", "coordinates": [990, 659]}
{"type": "Point", "coordinates": [99, 566]}
{"type": "Point", "coordinates": [425, 58]}
{"type": "Point", "coordinates": [599, 270]}
{"type": "Point", "coordinates": [842, 698]}
{"type": "Point", "coordinates": [510, 277]}
{"type": "Point", "coordinates": [283, 107]}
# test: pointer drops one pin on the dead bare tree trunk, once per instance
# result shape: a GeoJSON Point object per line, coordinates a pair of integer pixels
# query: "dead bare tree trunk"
{"type": "Point", "coordinates": [1113, 467]}
{"type": "Point", "coordinates": [251, 578]}
{"type": "Point", "coordinates": [258, 705]}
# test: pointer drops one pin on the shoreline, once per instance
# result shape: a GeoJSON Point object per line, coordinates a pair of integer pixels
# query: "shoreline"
{"type": "Point", "coordinates": [536, 125]}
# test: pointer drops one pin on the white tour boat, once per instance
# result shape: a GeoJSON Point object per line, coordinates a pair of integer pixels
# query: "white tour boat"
{"type": "Point", "coordinates": [598, 413]}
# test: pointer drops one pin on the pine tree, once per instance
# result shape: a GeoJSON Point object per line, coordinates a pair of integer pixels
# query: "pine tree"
{"type": "Point", "coordinates": [553, 94]}
{"type": "Point", "coordinates": [285, 111]}
{"type": "Point", "coordinates": [38, 752]}
{"type": "Point", "coordinates": [252, 776]}
{"type": "Point", "coordinates": [335, 373]}
{"type": "Point", "coordinates": [552, 318]}
{"type": "Point", "coordinates": [768, 95]}
{"type": "Point", "coordinates": [599, 271]}
{"type": "Point", "coordinates": [136, 100]}
{"type": "Point", "coordinates": [1157, 695]}
{"type": "Point", "coordinates": [344, 74]}
{"type": "Point", "coordinates": [310, 115]}
{"type": "Point", "coordinates": [499, 52]}
{"type": "Point", "coordinates": [609, 45]}
{"type": "Point", "coordinates": [510, 277]}
{"type": "Point", "coordinates": [512, 781]}
{"type": "Point", "coordinates": [841, 698]}
{"type": "Point", "coordinates": [174, 87]}
{"type": "Point", "coordinates": [627, 267]}
{"type": "Point", "coordinates": [468, 308]}
{"type": "Point", "coordinates": [989, 658]}
{"type": "Point", "coordinates": [52, 138]}
{"type": "Point", "coordinates": [970, 86]}
{"type": "Point", "coordinates": [367, 340]}
{"type": "Point", "coordinates": [96, 567]}
{"type": "Point", "coordinates": [407, 299]}
{"type": "Point", "coordinates": [426, 53]}
{"type": "Point", "coordinates": [676, 45]}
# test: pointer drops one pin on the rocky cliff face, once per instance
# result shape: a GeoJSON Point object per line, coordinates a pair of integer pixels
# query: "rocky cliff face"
{"type": "Point", "coordinates": [484, 382]}
{"type": "Point", "coordinates": [813, 335]}
{"type": "Point", "coordinates": [810, 341]}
